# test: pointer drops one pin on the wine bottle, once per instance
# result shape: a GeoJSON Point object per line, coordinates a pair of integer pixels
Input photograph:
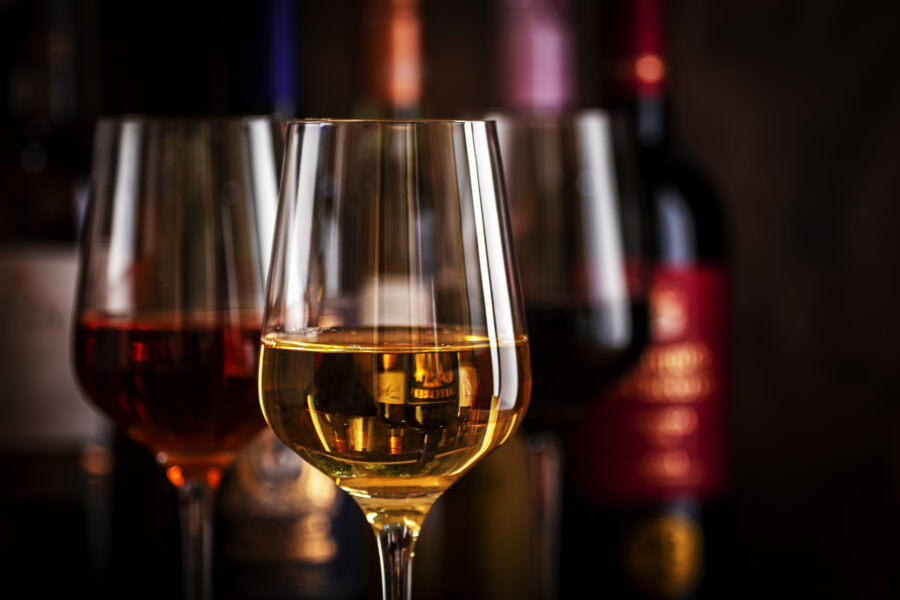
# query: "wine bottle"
{"type": "Point", "coordinates": [651, 455]}
{"type": "Point", "coordinates": [285, 531]}
{"type": "Point", "coordinates": [505, 515]}
{"type": "Point", "coordinates": [55, 463]}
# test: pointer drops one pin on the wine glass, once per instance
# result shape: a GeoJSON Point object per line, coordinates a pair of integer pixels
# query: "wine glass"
{"type": "Point", "coordinates": [394, 353]}
{"type": "Point", "coordinates": [175, 249]}
{"type": "Point", "coordinates": [577, 218]}
{"type": "Point", "coordinates": [576, 214]}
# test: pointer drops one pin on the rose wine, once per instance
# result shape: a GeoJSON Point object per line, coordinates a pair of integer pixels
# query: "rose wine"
{"type": "Point", "coordinates": [393, 413]}
{"type": "Point", "coordinates": [184, 388]}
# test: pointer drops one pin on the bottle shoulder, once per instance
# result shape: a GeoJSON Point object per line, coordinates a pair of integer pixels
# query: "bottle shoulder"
{"type": "Point", "coordinates": [685, 210]}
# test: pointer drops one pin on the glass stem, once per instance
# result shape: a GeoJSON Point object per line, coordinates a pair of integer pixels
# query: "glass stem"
{"type": "Point", "coordinates": [396, 545]}
{"type": "Point", "coordinates": [195, 508]}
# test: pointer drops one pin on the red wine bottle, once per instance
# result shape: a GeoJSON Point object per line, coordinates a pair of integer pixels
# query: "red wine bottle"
{"type": "Point", "coordinates": [653, 452]}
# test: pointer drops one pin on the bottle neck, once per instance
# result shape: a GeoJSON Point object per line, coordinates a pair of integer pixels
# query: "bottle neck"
{"type": "Point", "coordinates": [536, 55]}
{"type": "Point", "coordinates": [650, 120]}
{"type": "Point", "coordinates": [633, 66]}
{"type": "Point", "coordinates": [394, 66]}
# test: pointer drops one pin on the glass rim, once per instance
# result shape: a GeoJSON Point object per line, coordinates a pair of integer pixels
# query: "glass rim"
{"type": "Point", "coordinates": [180, 119]}
{"type": "Point", "coordinates": [363, 121]}
{"type": "Point", "coordinates": [530, 116]}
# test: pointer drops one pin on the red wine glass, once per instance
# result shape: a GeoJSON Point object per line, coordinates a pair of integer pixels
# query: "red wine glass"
{"type": "Point", "coordinates": [577, 215]}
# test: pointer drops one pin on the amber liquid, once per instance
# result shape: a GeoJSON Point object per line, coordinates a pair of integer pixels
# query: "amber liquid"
{"type": "Point", "coordinates": [393, 413]}
{"type": "Point", "coordinates": [186, 389]}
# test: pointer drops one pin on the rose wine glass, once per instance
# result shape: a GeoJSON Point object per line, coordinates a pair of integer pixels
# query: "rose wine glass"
{"type": "Point", "coordinates": [394, 353]}
{"type": "Point", "coordinates": [175, 249]}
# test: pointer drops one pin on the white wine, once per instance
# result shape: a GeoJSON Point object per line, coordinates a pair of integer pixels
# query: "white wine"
{"type": "Point", "coordinates": [393, 414]}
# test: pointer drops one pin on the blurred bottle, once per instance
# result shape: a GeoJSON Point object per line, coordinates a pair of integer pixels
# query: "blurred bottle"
{"type": "Point", "coordinates": [392, 66]}
{"type": "Point", "coordinates": [54, 463]}
{"type": "Point", "coordinates": [286, 532]}
{"type": "Point", "coordinates": [503, 517]}
{"type": "Point", "coordinates": [652, 459]}
{"type": "Point", "coordinates": [261, 44]}
{"type": "Point", "coordinates": [535, 56]}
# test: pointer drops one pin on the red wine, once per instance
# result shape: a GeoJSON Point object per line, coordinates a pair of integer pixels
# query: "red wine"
{"type": "Point", "coordinates": [569, 342]}
{"type": "Point", "coordinates": [651, 454]}
{"type": "Point", "coordinates": [186, 389]}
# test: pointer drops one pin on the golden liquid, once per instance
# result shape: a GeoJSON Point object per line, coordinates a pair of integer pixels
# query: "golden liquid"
{"type": "Point", "coordinates": [391, 414]}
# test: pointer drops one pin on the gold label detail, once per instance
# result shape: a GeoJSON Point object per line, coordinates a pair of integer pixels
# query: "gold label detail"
{"type": "Point", "coordinates": [468, 384]}
{"type": "Point", "coordinates": [433, 394]}
{"type": "Point", "coordinates": [673, 373]}
{"type": "Point", "coordinates": [663, 556]}
{"type": "Point", "coordinates": [667, 426]}
{"type": "Point", "coordinates": [433, 379]}
{"type": "Point", "coordinates": [391, 387]}
{"type": "Point", "coordinates": [668, 314]}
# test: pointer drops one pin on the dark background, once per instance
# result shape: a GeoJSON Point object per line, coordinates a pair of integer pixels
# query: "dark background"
{"type": "Point", "coordinates": [793, 109]}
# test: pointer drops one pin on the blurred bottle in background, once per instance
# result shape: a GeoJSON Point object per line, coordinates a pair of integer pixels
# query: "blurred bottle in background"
{"type": "Point", "coordinates": [534, 56]}
{"type": "Point", "coordinates": [101, 498]}
{"type": "Point", "coordinates": [506, 510]}
{"type": "Point", "coordinates": [392, 60]}
{"type": "Point", "coordinates": [652, 464]}
{"type": "Point", "coordinates": [54, 462]}
{"type": "Point", "coordinates": [286, 532]}
{"type": "Point", "coordinates": [568, 191]}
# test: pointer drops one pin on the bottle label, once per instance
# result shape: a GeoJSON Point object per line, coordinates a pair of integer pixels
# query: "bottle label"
{"type": "Point", "coordinates": [660, 432]}
{"type": "Point", "coordinates": [433, 379]}
{"type": "Point", "coordinates": [468, 385]}
{"type": "Point", "coordinates": [390, 387]}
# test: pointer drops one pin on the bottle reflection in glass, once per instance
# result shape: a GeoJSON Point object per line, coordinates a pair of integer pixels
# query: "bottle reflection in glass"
{"type": "Point", "coordinates": [169, 306]}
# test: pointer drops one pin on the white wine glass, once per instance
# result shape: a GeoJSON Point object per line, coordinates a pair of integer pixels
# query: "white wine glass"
{"type": "Point", "coordinates": [394, 355]}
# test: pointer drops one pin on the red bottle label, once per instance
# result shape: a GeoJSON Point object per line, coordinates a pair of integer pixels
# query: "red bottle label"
{"type": "Point", "coordinates": [661, 432]}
